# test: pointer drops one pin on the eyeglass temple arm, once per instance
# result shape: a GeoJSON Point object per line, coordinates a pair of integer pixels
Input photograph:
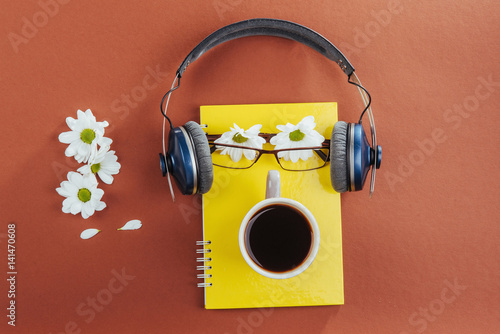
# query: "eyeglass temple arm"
{"type": "Point", "coordinates": [322, 155]}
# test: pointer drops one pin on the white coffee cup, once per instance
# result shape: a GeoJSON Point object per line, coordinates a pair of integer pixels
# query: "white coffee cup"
{"type": "Point", "coordinates": [272, 202]}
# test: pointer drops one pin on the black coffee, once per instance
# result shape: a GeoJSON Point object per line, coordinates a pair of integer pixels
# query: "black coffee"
{"type": "Point", "coordinates": [278, 238]}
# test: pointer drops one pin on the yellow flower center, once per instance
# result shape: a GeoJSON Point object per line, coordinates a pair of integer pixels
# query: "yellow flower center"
{"type": "Point", "coordinates": [296, 135]}
{"type": "Point", "coordinates": [239, 138]}
{"type": "Point", "coordinates": [95, 168]}
{"type": "Point", "coordinates": [84, 195]}
{"type": "Point", "coordinates": [87, 136]}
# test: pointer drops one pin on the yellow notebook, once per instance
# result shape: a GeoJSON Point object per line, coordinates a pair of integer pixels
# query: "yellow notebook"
{"type": "Point", "coordinates": [230, 282]}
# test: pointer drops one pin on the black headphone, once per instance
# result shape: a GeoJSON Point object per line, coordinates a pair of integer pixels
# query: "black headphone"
{"type": "Point", "coordinates": [188, 158]}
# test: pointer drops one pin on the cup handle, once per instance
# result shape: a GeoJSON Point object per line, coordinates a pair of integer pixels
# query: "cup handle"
{"type": "Point", "coordinates": [273, 184]}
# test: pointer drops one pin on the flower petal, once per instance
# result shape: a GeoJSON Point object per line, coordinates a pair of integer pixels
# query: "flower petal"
{"type": "Point", "coordinates": [85, 169]}
{"type": "Point", "coordinates": [84, 151]}
{"type": "Point", "coordinates": [72, 149]}
{"type": "Point", "coordinates": [256, 142]}
{"type": "Point", "coordinates": [131, 225]}
{"type": "Point", "coordinates": [305, 154]}
{"type": "Point", "coordinates": [93, 179]}
{"type": "Point", "coordinates": [76, 179]}
{"type": "Point", "coordinates": [97, 194]}
{"type": "Point", "coordinates": [237, 128]}
{"type": "Point", "coordinates": [100, 206]}
{"type": "Point", "coordinates": [89, 233]}
{"type": "Point", "coordinates": [67, 203]}
{"type": "Point", "coordinates": [89, 115]}
{"type": "Point", "coordinates": [68, 137]}
{"type": "Point", "coordinates": [70, 121]}
{"type": "Point", "coordinates": [249, 154]}
{"type": "Point", "coordinates": [235, 154]}
{"type": "Point", "coordinates": [76, 207]}
{"type": "Point", "coordinates": [105, 177]}
{"type": "Point", "coordinates": [81, 115]}
{"type": "Point", "coordinates": [306, 124]}
{"type": "Point", "coordinates": [313, 138]}
{"type": "Point", "coordinates": [112, 169]}
{"type": "Point", "coordinates": [281, 127]}
{"type": "Point", "coordinates": [87, 210]}
{"type": "Point", "coordinates": [67, 189]}
{"type": "Point", "coordinates": [254, 130]}
{"type": "Point", "coordinates": [103, 124]}
{"type": "Point", "coordinates": [104, 141]}
{"type": "Point", "coordinates": [289, 127]}
{"type": "Point", "coordinates": [294, 156]}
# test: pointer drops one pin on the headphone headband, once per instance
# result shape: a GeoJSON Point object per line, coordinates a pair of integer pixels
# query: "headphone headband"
{"type": "Point", "coordinates": [269, 27]}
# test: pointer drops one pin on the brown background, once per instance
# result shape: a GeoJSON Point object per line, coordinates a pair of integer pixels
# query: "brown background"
{"type": "Point", "coordinates": [432, 223]}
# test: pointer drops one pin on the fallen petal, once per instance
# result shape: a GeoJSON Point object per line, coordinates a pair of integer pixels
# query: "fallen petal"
{"type": "Point", "coordinates": [89, 233]}
{"type": "Point", "coordinates": [131, 225]}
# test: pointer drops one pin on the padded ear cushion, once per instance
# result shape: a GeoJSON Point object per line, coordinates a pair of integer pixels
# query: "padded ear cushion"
{"type": "Point", "coordinates": [202, 150]}
{"type": "Point", "coordinates": [338, 157]}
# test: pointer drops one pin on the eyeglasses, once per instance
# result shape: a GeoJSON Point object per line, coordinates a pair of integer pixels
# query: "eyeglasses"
{"type": "Point", "coordinates": [290, 159]}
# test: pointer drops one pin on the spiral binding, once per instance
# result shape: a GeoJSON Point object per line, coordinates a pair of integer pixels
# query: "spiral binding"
{"type": "Point", "coordinates": [205, 261]}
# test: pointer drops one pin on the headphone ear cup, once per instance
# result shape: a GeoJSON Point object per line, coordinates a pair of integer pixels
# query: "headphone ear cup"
{"type": "Point", "coordinates": [338, 158]}
{"type": "Point", "coordinates": [203, 156]}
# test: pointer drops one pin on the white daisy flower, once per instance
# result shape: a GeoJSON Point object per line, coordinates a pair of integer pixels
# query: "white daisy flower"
{"type": "Point", "coordinates": [82, 195]}
{"type": "Point", "coordinates": [294, 136]}
{"type": "Point", "coordinates": [86, 133]}
{"type": "Point", "coordinates": [240, 137]}
{"type": "Point", "coordinates": [103, 163]}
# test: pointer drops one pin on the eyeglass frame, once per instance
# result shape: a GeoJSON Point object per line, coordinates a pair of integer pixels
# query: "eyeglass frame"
{"type": "Point", "coordinates": [267, 136]}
